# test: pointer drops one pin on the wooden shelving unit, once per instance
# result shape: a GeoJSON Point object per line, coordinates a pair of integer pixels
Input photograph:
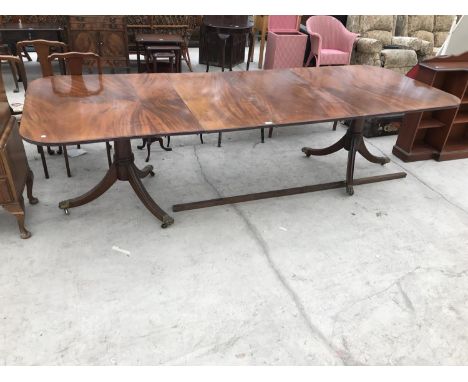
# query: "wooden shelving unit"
{"type": "Point", "coordinates": [442, 134]}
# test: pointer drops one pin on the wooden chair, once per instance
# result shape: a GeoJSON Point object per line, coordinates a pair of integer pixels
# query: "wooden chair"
{"type": "Point", "coordinates": [43, 48]}
{"type": "Point", "coordinates": [6, 51]}
{"type": "Point", "coordinates": [73, 63]}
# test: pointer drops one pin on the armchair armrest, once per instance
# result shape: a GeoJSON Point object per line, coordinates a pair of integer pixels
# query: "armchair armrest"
{"type": "Point", "coordinates": [408, 42]}
{"type": "Point", "coordinates": [315, 43]}
{"type": "Point", "coordinates": [347, 40]}
{"type": "Point", "coordinates": [368, 45]}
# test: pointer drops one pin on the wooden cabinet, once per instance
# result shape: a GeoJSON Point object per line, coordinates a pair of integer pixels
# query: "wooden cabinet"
{"type": "Point", "coordinates": [103, 35]}
{"type": "Point", "coordinates": [441, 134]}
{"type": "Point", "coordinates": [15, 173]}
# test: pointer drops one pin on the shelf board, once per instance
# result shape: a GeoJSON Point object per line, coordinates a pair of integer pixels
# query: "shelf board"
{"type": "Point", "coordinates": [430, 123]}
{"type": "Point", "coordinates": [460, 144]}
{"type": "Point", "coordinates": [454, 149]}
{"type": "Point", "coordinates": [462, 117]}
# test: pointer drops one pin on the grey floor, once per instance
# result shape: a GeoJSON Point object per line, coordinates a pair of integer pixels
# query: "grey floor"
{"type": "Point", "coordinates": [379, 278]}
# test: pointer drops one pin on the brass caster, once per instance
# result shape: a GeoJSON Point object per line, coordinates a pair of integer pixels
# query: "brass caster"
{"type": "Point", "coordinates": [305, 150]}
{"type": "Point", "coordinates": [387, 160]}
{"type": "Point", "coordinates": [67, 212]}
{"type": "Point", "coordinates": [350, 190]}
{"type": "Point", "coordinates": [25, 235]}
{"type": "Point", "coordinates": [167, 221]}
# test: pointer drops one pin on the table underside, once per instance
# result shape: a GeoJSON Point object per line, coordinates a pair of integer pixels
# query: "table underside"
{"type": "Point", "coordinates": [123, 168]}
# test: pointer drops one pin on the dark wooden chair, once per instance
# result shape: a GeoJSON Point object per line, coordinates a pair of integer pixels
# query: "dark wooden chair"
{"type": "Point", "coordinates": [43, 48]}
{"type": "Point", "coordinates": [73, 63]}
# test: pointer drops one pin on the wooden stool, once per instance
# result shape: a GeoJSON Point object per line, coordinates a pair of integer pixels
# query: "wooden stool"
{"type": "Point", "coordinates": [158, 56]}
{"type": "Point", "coordinates": [175, 50]}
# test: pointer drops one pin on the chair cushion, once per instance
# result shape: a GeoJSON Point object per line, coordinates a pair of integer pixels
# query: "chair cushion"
{"type": "Point", "coordinates": [333, 57]}
{"type": "Point", "coordinates": [368, 45]}
{"type": "Point", "coordinates": [398, 58]}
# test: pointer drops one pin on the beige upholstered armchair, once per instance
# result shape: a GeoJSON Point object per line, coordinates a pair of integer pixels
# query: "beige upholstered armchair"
{"type": "Point", "coordinates": [374, 46]}
{"type": "Point", "coordinates": [432, 30]}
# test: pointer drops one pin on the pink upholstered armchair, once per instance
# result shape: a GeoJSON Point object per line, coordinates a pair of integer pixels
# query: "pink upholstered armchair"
{"type": "Point", "coordinates": [330, 42]}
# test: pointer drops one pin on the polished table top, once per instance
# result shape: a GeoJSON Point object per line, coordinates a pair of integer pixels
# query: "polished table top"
{"type": "Point", "coordinates": [92, 108]}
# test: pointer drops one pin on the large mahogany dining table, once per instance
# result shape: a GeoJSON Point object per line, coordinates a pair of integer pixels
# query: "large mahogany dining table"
{"type": "Point", "coordinates": [65, 110]}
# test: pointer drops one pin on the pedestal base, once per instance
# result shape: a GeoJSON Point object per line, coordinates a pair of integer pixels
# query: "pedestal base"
{"type": "Point", "coordinates": [123, 168]}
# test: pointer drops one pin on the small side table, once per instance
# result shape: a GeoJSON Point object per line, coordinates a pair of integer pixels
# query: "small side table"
{"type": "Point", "coordinates": [145, 40]}
{"type": "Point", "coordinates": [171, 52]}
{"type": "Point", "coordinates": [225, 29]}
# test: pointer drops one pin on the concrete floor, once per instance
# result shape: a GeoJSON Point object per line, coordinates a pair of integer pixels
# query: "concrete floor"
{"type": "Point", "coordinates": [379, 278]}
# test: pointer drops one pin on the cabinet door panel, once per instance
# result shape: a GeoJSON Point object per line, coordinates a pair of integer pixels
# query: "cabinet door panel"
{"type": "Point", "coordinates": [113, 44]}
{"type": "Point", "coordinates": [84, 41]}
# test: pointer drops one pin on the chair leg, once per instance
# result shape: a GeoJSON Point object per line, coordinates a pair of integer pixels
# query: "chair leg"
{"type": "Point", "coordinates": [171, 64]}
{"type": "Point", "coordinates": [207, 45]}
{"type": "Point", "coordinates": [60, 151]}
{"type": "Point", "coordinates": [250, 55]}
{"type": "Point", "coordinates": [143, 144]}
{"type": "Point", "coordinates": [108, 150]}
{"type": "Point", "coordinates": [161, 143]}
{"type": "Point", "coordinates": [26, 54]}
{"type": "Point", "coordinates": [231, 47]}
{"type": "Point", "coordinates": [187, 58]}
{"type": "Point", "coordinates": [67, 165]}
{"type": "Point", "coordinates": [270, 132]}
{"type": "Point", "coordinates": [220, 135]}
{"type": "Point", "coordinates": [223, 54]}
{"type": "Point", "coordinates": [40, 150]}
{"type": "Point", "coordinates": [168, 141]}
{"type": "Point", "coordinates": [78, 146]}
{"type": "Point", "coordinates": [50, 151]}
{"type": "Point", "coordinates": [147, 61]}
{"type": "Point", "coordinates": [15, 76]}
{"type": "Point", "coordinates": [334, 125]}
{"type": "Point", "coordinates": [309, 59]}
{"type": "Point", "coordinates": [148, 148]}
{"type": "Point", "coordinates": [262, 134]}
{"type": "Point", "coordinates": [201, 138]}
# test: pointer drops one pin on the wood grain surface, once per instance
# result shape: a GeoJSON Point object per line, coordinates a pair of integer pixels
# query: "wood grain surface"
{"type": "Point", "coordinates": [91, 108]}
